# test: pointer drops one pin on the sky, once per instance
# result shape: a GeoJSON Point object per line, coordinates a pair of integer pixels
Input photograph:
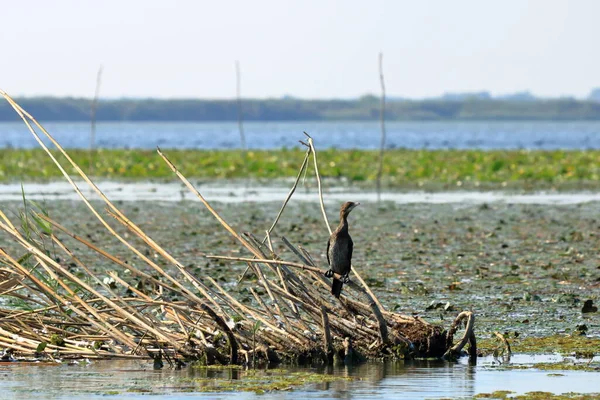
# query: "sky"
{"type": "Point", "coordinates": [307, 48]}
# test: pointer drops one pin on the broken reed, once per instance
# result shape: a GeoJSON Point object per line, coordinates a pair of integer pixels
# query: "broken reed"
{"type": "Point", "coordinates": [178, 316]}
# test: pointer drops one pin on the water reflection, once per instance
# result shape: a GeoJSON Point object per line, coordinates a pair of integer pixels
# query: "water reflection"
{"type": "Point", "coordinates": [389, 380]}
{"type": "Point", "coordinates": [409, 380]}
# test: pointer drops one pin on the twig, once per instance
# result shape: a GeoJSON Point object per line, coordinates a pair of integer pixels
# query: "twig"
{"type": "Point", "coordinates": [267, 286]}
{"type": "Point", "coordinates": [275, 262]}
{"type": "Point", "coordinates": [291, 192]}
{"type": "Point", "coordinates": [285, 202]}
{"type": "Point", "coordinates": [327, 343]}
{"type": "Point", "coordinates": [263, 305]}
{"type": "Point", "coordinates": [256, 316]}
{"type": "Point", "coordinates": [314, 153]}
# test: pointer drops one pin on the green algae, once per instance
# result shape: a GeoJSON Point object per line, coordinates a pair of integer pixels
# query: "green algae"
{"type": "Point", "coordinates": [499, 394]}
{"type": "Point", "coordinates": [567, 366]}
{"type": "Point", "coordinates": [505, 394]}
{"type": "Point", "coordinates": [262, 381]}
{"type": "Point", "coordinates": [202, 366]}
{"type": "Point", "coordinates": [578, 345]}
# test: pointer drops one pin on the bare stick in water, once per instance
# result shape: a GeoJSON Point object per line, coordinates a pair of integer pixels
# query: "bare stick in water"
{"type": "Point", "coordinates": [93, 110]}
{"type": "Point", "coordinates": [238, 91]}
{"type": "Point", "coordinates": [382, 120]}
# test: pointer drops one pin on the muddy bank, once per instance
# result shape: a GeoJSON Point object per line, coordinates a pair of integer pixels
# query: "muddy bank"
{"type": "Point", "coordinates": [525, 269]}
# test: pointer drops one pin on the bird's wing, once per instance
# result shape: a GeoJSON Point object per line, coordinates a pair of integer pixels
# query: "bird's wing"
{"type": "Point", "coordinates": [350, 248]}
{"type": "Point", "coordinates": [328, 244]}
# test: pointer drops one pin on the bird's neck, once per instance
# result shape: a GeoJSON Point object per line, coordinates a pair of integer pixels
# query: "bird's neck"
{"type": "Point", "coordinates": [343, 226]}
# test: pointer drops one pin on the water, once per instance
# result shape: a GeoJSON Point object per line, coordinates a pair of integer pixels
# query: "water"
{"type": "Point", "coordinates": [390, 380]}
{"type": "Point", "coordinates": [235, 193]}
{"type": "Point", "coordinates": [364, 135]}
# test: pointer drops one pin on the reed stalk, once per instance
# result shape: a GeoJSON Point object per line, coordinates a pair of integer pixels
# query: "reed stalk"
{"type": "Point", "coordinates": [292, 317]}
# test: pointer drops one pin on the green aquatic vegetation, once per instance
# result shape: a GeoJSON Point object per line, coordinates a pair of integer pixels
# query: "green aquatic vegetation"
{"type": "Point", "coordinates": [563, 344]}
{"type": "Point", "coordinates": [498, 394]}
{"type": "Point", "coordinates": [57, 340]}
{"type": "Point", "coordinates": [567, 366]}
{"type": "Point", "coordinates": [216, 367]}
{"type": "Point", "coordinates": [505, 394]}
{"type": "Point", "coordinates": [261, 381]}
{"type": "Point", "coordinates": [401, 168]}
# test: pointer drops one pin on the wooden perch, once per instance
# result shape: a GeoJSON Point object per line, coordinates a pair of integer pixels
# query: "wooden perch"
{"type": "Point", "coordinates": [233, 357]}
{"type": "Point", "coordinates": [327, 343]}
{"type": "Point", "coordinates": [468, 318]}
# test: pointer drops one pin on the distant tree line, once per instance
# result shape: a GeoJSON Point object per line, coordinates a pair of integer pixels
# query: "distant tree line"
{"type": "Point", "coordinates": [292, 109]}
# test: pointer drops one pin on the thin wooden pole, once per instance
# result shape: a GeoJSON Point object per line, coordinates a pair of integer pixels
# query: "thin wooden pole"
{"type": "Point", "coordinates": [382, 122]}
{"type": "Point", "coordinates": [238, 92]}
{"type": "Point", "coordinates": [93, 111]}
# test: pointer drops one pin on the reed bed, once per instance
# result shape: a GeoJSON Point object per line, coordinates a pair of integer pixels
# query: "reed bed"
{"type": "Point", "coordinates": [178, 317]}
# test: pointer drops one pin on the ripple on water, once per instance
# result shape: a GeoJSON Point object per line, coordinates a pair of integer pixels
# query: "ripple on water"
{"type": "Point", "coordinates": [391, 380]}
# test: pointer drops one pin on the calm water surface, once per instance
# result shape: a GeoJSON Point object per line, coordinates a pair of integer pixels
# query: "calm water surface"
{"type": "Point", "coordinates": [362, 135]}
{"type": "Point", "coordinates": [393, 380]}
{"type": "Point", "coordinates": [237, 193]}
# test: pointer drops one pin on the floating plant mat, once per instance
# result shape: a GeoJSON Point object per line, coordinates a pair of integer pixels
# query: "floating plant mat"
{"type": "Point", "coordinates": [67, 311]}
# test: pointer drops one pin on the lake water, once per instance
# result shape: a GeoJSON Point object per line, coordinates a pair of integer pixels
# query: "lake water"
{"type": "Point", "coordinates": [363, 135]}
{"type": "Point", "coordinates": [238, 192]}
{"type": "Point", "coordinates": [390, 380]}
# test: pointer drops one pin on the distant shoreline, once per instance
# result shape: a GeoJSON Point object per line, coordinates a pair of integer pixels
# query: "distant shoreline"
{"type": "Point", "coordinates": [366, 108]}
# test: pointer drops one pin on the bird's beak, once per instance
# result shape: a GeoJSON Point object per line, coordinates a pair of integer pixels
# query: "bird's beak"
{"type": "Point", "coordinates": [355, 205]}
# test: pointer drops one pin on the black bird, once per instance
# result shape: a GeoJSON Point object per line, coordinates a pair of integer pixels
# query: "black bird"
{"type": "Point", "coordinates": [339, 250]}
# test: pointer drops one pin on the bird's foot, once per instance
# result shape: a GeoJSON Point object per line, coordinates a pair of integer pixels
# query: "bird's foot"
{"type": "Point", "coordinates": [345, 278]}
{"type": "Point", "coordinates": [329, 273]}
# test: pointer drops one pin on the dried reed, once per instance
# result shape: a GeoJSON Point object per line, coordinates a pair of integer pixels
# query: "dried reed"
{"type": "Point", "coordinates": [64, 315]}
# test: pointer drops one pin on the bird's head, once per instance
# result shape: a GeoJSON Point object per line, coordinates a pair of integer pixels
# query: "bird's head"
{"type": "Point", "coordinates": [347, 207]}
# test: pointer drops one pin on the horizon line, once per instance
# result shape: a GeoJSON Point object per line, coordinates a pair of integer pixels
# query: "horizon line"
{"type": "Point", "coordinates": [447, 96]}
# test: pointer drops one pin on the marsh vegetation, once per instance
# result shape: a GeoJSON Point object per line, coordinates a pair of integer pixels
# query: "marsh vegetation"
{"type": "Point", "coordinates": [527, 272]}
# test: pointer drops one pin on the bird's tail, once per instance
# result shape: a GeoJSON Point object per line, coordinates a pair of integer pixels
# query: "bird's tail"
{"type": "Point", "coordinates": [336, 287]}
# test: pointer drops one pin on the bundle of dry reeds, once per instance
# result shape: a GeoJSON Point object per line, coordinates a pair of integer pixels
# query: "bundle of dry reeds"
{"type": "Point", "coordinates": [293, 318]}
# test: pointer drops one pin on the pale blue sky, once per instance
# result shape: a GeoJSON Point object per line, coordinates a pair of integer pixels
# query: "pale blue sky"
{"type": "Point", "coordinates": [309, 49]}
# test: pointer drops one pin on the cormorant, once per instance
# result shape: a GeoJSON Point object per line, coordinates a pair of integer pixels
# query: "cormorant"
{"type": "Point", "coordinates": [339, 250]}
